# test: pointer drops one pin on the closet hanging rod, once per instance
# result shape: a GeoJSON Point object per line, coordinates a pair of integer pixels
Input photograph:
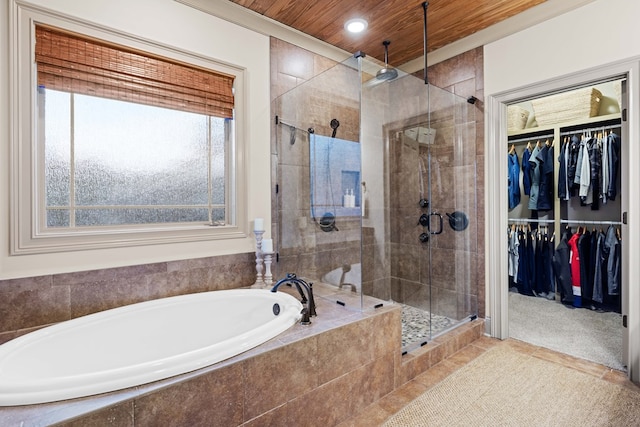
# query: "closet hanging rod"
{"type": "Point", "coordinates": [531, 220]}
{"type": "Point", "coordinates": [593, 129]}
{"type": "Point", "coordinates": [531, 138]}
{"type": "Point", "coordinates": [578, 222]}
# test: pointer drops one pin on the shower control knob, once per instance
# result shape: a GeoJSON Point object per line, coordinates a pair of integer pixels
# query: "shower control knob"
{"type": "Point", "coordinates": [424, 203]}
{"type": "Point", "coordinates": [423, 220]}
{"type": "Point", "coordinates": [424, 237]}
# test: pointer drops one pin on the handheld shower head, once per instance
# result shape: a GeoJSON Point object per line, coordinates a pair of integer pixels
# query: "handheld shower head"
{"type": "Point", "coordinates": [334, 125]}
{"type": "Point", "coordinates": [386, 73]}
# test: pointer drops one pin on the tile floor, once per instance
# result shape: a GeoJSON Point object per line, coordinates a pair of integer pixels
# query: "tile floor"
{"type": "Point", "coordinates": [377, 413]}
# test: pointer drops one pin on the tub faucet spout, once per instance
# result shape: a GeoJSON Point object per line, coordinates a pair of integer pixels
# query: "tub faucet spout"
{"type": "Point", "coordinates": [307, 300]}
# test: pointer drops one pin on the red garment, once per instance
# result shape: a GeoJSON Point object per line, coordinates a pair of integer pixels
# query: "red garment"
{"type": "Point", "coordinates": [574, 260]}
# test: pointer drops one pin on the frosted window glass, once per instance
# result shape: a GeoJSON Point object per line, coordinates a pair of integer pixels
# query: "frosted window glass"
{"type": "Point", "coordinates": [94, 217]}
{"type": "Point", "coordinates": [116, 163]}
{"type": "Point", "coordinates": [57, 161]}
{"type": "Point", "coordinates": [132, 154]}
{"type": "Point", "coordinates": [58, 218]}
{"type": "Point", "coordinates": [218, 156]}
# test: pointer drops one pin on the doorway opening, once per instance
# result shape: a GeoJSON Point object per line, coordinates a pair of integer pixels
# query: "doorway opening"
{"type": "Point", "coordinates": [497, 197]}
{"type": "Point", "coordinates": [564, 160]}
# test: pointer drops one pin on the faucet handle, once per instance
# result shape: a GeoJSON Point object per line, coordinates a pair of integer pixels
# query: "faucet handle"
{"type": "Point", "coordinates": [305, 316]}
{"type": "Point", "coordinates": [291, 275]}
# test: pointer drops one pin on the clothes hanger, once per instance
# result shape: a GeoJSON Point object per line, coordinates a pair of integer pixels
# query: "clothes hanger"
{"type": "Point", "coordinates": [512, 149]}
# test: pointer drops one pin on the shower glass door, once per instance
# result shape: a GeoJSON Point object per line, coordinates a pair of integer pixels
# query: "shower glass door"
{"type": "Point", "coordinates": [419, 189]}
{"type": "Point", "coordinates": [317, 156]}
{"type": "Point", "coordinates": [376, 195]}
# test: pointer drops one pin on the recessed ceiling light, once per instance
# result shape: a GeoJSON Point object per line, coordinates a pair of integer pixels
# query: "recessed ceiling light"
{"type": "Point", "coordinates": [356, 25]}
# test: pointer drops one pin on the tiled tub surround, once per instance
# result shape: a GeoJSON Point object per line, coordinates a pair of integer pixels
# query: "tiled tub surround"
{"type": "Point", "coordinates": [31, 303]}
{"type": "Point", "coordinates": [310, 375]}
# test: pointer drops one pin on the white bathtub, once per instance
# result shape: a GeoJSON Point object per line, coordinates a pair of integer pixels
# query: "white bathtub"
{"type": "Point", "coordinates": [139, 343]}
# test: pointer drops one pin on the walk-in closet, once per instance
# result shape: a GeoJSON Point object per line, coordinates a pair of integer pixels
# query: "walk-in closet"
{"type": "Point", "coordinates": [564, 242]}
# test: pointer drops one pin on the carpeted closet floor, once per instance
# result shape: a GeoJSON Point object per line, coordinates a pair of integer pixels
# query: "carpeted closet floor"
{"type": "Point", "coordinates": [579, 332]}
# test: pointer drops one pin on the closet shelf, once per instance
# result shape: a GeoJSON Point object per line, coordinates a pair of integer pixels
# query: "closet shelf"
{"type": "Point", "coordinates": [552, 128]}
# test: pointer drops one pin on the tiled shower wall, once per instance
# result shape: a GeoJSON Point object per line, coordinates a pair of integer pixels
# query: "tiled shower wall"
{"type": "Point", "coordinates": [29, 303]}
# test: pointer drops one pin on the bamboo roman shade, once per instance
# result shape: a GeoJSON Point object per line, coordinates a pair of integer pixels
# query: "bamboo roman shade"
{"type": "Point", "coordinates": [73, 63]}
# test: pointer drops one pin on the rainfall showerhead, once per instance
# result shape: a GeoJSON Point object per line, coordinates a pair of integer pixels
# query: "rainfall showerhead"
{"type": "Point", "coordinates": [386, 73]}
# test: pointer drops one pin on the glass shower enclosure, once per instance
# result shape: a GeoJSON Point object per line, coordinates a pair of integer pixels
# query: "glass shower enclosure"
{"type": "Point", "coordinates": [376, 195]}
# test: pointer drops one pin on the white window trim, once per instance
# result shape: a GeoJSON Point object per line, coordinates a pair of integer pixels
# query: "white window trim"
{"type": "Point", "coordinates": [26, 237]}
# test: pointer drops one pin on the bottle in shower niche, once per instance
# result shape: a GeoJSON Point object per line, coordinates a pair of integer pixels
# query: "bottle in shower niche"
{"type": "Point", "coordinates": [349, 200]}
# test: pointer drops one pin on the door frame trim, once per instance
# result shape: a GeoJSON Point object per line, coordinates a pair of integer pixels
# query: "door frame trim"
{"type": "Point", "coordinates": [496, 215]}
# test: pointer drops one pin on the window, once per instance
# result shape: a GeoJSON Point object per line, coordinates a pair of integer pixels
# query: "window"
{"type": "Point", "coordinates": [129, 147]}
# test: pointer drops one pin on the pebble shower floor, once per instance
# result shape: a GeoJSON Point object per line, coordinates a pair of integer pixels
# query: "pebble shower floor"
{"type": "Point", "coordinates": [416, 324]}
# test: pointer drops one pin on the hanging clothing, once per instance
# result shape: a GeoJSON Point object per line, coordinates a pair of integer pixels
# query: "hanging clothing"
{"type": "Point", "coordinates": [604, 182]}
{"type": "Point", "coordinates": [545, 186]}
{"type": "Point", "coordinates": [526, 171]}
{"type": "Point", "coordinates": [562, 270]}
{"type": "Point", "coordinates": [572, 163]}
{"type": "Point", "coordinates": [613, 157]}
{"type": "Point", "coordinates": [595, 164]}
{"type": "Point", "coordinates": [513, 180]}
{"type": "Point", "coordinates": [534, 165]}
{"type": "Point", "coordinates": [586, 280]}
{"type": "Point", "coordinates": [563, 160]}
{"type": "Point", "coordinates": [613, 253]}
{"type": "Point", "coordinates": [586, 193]}
{"type": "Point", "coordinates": [574, 262]}
{"type": "Point", "coordinates": [513, 258]}
{"type": "Point", "coordinates": [600, 269]}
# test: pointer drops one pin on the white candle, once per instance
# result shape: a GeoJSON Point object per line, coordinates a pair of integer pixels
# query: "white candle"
{"type": "Point", "coordinates": [258, 224]}
{"type": "Point", "coordinates": [267, 245]}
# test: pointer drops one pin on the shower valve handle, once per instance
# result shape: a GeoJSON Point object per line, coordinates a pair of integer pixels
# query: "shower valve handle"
{"type": "Point", "coordinates": [423, 220]}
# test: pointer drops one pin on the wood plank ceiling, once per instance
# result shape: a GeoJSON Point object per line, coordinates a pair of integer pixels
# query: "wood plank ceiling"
{"type": "Point", "coordinates": [399, 21]}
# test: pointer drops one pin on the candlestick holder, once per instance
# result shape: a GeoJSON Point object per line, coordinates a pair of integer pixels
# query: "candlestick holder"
{"type": "Point", "coordinates": [259, 260]}
{"type": "Point", "coordinates": [268, 277]}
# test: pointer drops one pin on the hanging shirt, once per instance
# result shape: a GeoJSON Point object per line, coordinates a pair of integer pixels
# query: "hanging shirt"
{"type": "Point", "coordinates": [604, 182]}
{"type": "Point", "coordinates": [586, 194]}
{"type": "Point", "coordinates": [526, 171]}
{"type": "Point", "coordinates": [545, 188]}
{"type": "Point", "coordinates": [535, 179]}
{"type": "Point", "coordinates": [563, 159]}
{"type": "Point", "coordinates": [600, 269]}
{"type": "Point", "coordinates": [613, 253]}
{"type": "Point", "coordinates": [572, 163]}
{"type": "Point", "coordinates": [613, 157]}
{"type": "Point", "coordinates": [513, 180]}
{"type": "Point", "coordinates": [562, 270]}
{"type": "Point", "coordinates": [513, 254]}
{"type": "Point", "coordinates": [575, 269]}
{"type": "Point", "coordinates": [595, 164]}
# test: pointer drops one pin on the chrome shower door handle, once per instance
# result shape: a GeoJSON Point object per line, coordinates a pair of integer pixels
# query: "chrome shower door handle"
{"type": "Point", "coordinates": [441, 222]}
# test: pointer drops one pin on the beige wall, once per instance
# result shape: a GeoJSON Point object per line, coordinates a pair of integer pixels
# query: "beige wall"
{"type": "Point", "coordinates": [171, 24]}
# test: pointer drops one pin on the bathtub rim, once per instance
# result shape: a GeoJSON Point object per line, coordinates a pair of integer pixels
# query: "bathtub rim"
{"type": "Point", "coordinates": [197, 359]}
